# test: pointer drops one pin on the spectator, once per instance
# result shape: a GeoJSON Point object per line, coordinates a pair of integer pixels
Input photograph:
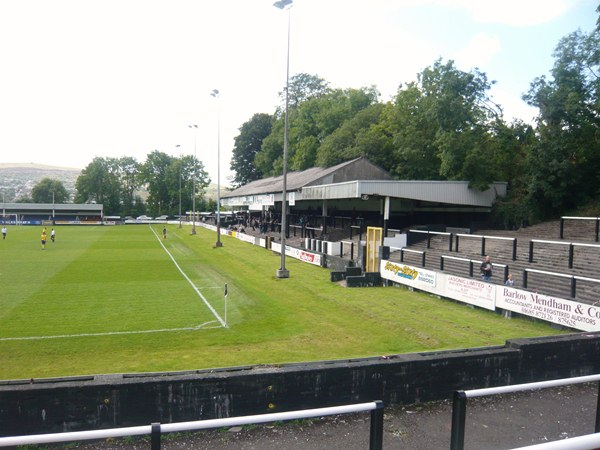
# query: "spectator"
{"type": "Point", "coordinates": [509, 280]}
{"type": "Point", "coordinates": [486, 269]}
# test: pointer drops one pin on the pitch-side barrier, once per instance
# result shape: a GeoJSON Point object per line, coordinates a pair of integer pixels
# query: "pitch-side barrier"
{"type": "Point", "coordinates": [155, 430]}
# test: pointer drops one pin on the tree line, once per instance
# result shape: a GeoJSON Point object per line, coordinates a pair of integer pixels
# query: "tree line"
{"type": "Point", "coordinates": [443, 126]}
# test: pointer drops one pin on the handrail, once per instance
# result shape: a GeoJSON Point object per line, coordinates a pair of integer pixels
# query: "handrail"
{"type": "Point", "coordinates": [483, 239]}
{"type": "Point", "coordinates": [410, 250]}
{"type": "Point", "coordinates": [542, 241]}
{"type": "Point", "coordinates": [545, 272]}
{"type": "Point", "coordinates": [155, 429]}
{"type": "Point", "coordinates": [443, 233]}
{"type": "Point", "coordinates": [562, 225]}
{"type": "Point", "coordinates": [574, 278]}
{"type": "Point", "coordinates": [459, 406]}
{"type": "Point", "coordinates": [471, 261]}
{"type": "Point", "coordinates": [429, 233]}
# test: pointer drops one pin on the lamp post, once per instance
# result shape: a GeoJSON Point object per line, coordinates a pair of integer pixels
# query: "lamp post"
{"type": "Point", "coordinates": [282, 272]}
{"type": "Point", "coordinates": [178, 146]}
{"type": "Point", "coordinates": [194, 129]}
{"type": "Point", "coordinates": [215, 94]}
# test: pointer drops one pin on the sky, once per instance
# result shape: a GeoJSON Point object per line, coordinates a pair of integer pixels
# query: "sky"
{"type": "Point", "coordinates": [81, 79]}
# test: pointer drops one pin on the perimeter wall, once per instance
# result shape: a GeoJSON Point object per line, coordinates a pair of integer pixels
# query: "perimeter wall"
{"type": "Point", "coordinates": [106, 401]}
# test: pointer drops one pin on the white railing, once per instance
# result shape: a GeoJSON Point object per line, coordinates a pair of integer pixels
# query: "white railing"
{"type": "Point", "coordinates": [459, 408]}
{"type": "Point", "coordinates": [156, 429]}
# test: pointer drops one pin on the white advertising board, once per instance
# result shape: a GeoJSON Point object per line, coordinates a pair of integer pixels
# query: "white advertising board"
{"type": "Point", "coordinates": [302, 255]}
{"type": "Point", "coordinates": [569, 313]}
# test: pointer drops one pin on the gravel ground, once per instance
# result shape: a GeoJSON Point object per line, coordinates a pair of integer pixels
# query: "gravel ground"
{"type": "Point", "coordinates": [499, 422]}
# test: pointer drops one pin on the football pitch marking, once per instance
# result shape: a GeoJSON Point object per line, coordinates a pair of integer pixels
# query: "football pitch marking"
{"type": "Point", "coordinates": [111, 333]}
{"type": "Point", "coordinates": [209, 306]}
{"type": "Point", "coordinates": [204, 325]}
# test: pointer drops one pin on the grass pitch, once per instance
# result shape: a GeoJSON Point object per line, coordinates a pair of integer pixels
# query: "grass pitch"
{"type": "Point", "coordinates": [122, 299]}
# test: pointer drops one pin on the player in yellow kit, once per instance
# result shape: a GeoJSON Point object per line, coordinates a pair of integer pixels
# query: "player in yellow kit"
{"type": "Point", "coordinates": [44, 237]}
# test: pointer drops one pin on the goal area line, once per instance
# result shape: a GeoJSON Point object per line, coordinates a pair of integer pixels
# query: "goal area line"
{"type": "Point", "coordinates": [112, 333]}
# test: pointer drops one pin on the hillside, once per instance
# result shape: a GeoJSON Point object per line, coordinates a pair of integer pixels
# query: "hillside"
{"type": "Point", "coordinates": [17, 180]}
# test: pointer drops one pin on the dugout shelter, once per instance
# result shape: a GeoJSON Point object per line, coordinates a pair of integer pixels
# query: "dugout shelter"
{"type": "Point", "coordinates": [360, 189]}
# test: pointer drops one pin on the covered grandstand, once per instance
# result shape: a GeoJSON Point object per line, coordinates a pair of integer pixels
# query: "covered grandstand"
{"type": "Point", "coordinates": [52, 214]}
{"type": "Point", "coordinates": [358, 188]}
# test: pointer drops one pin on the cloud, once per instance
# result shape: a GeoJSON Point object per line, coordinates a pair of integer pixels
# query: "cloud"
{"type": "Point", "coordinates": [479, 51]}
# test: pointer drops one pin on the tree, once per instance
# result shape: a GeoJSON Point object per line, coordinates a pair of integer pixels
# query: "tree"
{"type": "Point", "coordinates": [303, 87]}
{"type": "Point", "coordinates": [161, 173]}
{"type": "Point", "coordinates": [247, 144]}
{"type": "Point", "coordinates": [309, 125]}
{"type": "Point", "coordinates": [49, 191]}
{"type": "Point", "coordinates": [565, 163]}
{"type": "Point", "coordinates": [99, 182]}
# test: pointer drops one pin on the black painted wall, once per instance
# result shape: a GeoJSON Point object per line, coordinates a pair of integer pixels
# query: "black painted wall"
{"type": "Point", "coordinates": [106, 401]}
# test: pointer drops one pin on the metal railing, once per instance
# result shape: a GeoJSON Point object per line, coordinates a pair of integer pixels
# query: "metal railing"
{"type": "Point", "coordinates": [433, 233]}
{"type": "Point", "coordinates": [571, 248]}
{"type": "Point", "coordinates": [155, 430]}
{"type": "Point", "coordinates": [484, 238]}
{"type": "Point", "coordinates": [595, 219]}
{"type": "Point", "coordinates": [459, 406]}
{"type": "Point", "coordinates": [471, 263]}
{"type": "Point", "coordinates": [573, 278]}
{"type": "Point", "coordinates": [403, 250]}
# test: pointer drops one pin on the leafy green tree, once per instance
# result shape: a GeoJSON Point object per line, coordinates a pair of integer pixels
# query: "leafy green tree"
{"type": "Point", "coordinates": [309, 125]}
{"type": "Point", "coordinates": [303, 87]}
{"type": "Point", "coordinates": [49, 190]}
{"type": "Point", "coordinates": [565, 163]}
{"type": "Point", "coordinates": [362, 135]}
{"type": "Point", "coordinates": [99, 183]}
{"type": "Point", "coordinates": [247, 144]}
{"type": "Point", "coordinates": [161, 173]}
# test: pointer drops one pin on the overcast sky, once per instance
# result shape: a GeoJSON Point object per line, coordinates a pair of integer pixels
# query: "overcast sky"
{"type": "Point", "coordinates": [112, 78]}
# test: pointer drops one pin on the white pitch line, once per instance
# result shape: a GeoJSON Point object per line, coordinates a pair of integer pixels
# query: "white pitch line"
{"type": "Point", "coordinates": [190, 281]}
{"type": "Point", "coordinates": [108, 333]}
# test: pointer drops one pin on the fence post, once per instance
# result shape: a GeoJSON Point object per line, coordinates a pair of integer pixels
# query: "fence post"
{"type": "Point", "coordinates": [525, 279]}
{"type": "Point", "coordinates": [428, 239]}
{"type": "Point", "coordinates": [573, 286]}
{"type": "Point", "coordinates": [155, 436]}
{"type": "Point", "coordinates": [531, 251]}
{"type": "Point", "coordinates": [450, 242]}
{"type": "Point", "coordinates": [562, 227]}
{"type": "Point", "coordinates": [376, 434]}
{"type": "Point", "coordinates": [597, 228]}
{"type": "Point", "coordinates": [470, 268]}
{"type": "Point", "coordinates": [423, 259]}
{"type": "Point", "coordinates": [483, 246]}
{"type": "Point", "coordinates": [456, 246]}
{"type": "Point", "coordinates": [401, 255]}
{"type": "Point", "coordinates": [515, 249]}
{"type": "Point", "coordinates": [571, 246]}
{"type": "Point", "coordinates": [352, 251]}
{"type": "Point", "coordinates": [505, 273]}
{"type": "Point", "coordinates": [459, 410]}
{"type": "Point", "coordinates": [442, 263]}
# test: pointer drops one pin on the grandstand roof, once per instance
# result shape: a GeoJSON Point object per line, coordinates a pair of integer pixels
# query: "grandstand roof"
{"type": "Point", "coordinates": [356, 169]}
{"type": "Point", "coordinates": [361, 179]}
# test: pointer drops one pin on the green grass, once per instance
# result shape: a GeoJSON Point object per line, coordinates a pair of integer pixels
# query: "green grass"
{"type": "Point", "coordinates": [99, 280]}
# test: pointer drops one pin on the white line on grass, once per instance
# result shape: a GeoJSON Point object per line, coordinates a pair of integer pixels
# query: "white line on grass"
{"type": "Point", "coordinates": [109, 333]}
{"type": "Point", "coordinates": [190, 281]}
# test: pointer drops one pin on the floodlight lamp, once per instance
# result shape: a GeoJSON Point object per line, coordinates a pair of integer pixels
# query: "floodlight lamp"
{"type": "Point", "coordinates": [281, 4]}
